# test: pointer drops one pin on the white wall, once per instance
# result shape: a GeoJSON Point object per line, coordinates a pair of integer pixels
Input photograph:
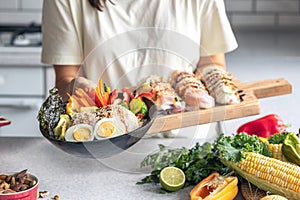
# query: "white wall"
{"type": "Point", "coordinates": [242, 13]}
{"type": "Point", "coordinates": [264, 13]}
{"type": "Point", "coordinates": [20, 11]}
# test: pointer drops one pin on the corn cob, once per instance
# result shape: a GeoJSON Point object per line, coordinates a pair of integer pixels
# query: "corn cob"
{"type": "Point", "coordinates": [277, 152]}
{"type": "Point", "coordinates": [269, 174]}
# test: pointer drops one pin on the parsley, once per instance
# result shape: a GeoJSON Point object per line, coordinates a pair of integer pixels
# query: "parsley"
{"type": "Point", "coordinates": [197, 163]}
{"type": "Point", "coordinates": [200, 161]}
{"type": "Point", "coordinates": [277, 138]}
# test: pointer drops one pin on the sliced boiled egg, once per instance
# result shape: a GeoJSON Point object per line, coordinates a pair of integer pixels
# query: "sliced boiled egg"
{"type": "Point", "coordinates": [79, 133]}
{"type": "Point", "coordinates": [108, 127]}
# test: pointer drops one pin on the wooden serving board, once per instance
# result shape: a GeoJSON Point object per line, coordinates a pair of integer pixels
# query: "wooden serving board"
{"type": "Point", "coordinates": [249, 106]}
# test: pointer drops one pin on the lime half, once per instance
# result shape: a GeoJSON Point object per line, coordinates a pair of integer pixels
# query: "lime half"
{"type": "Point", "coordinates": [172, 178]}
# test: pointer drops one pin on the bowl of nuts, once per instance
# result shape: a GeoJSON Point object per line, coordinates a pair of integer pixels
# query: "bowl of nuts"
{"type": "Point", "coordinates": [18, 186]}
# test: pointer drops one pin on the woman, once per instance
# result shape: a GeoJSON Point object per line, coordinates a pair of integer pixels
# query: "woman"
{"type": "Point", "coordinates": [124, 41]}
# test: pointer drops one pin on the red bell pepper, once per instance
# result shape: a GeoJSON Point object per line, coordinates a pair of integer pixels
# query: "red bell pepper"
{"type": "Point", "coordinates": [148, 95]}
{"type": "Point", "coordinates": [264, 126]}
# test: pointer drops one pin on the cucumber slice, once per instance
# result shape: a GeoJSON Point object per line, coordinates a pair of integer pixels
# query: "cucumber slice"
{"type": "Point", "coordinates": [136, 105]}
{"type": "Point", "coordinates": [144, 109]}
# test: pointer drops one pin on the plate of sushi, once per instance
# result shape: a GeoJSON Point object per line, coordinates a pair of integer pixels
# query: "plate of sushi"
{"type": "Point", "coordinates": [97, 125]}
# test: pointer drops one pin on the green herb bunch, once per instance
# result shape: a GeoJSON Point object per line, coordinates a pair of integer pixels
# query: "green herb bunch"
{"type": "Point", "coordinates": [278, 138]}
{"type": "Point", "coordinates": [197, 163]}
{"type": "Point", "coordinates": [201, 160]}
{"type": "Point", "coordinates": [232, 148]}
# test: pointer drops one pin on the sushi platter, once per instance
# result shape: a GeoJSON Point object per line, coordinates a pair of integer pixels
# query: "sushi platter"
{"type": "Point", "coordinates": [250, 105]}
{"type": "Point", "coordinates": [154, 105]}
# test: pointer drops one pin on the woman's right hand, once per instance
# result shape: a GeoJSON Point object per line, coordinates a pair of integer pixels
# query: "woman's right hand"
{"type": "Point", "coordinates": [67, 80]}
{"type": "Point", "coordinates": [84, 83]}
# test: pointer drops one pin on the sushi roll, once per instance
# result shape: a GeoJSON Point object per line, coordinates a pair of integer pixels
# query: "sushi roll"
{"type": "Point", "coordinates": [220, 84]}
{"type": "Point", "coordinates": [191, 90]}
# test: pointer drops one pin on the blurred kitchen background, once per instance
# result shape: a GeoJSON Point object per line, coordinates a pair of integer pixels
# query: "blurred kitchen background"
{"type": "Point", "coordinates": [268, 33]}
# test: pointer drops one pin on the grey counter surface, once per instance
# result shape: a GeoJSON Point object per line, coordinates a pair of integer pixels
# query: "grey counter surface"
{"type": "Point", "coordinates": [75, 178]}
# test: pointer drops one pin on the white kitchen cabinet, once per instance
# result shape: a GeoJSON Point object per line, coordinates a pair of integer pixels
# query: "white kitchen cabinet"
{"type": "Point", "coordinates": [24, 85]}
{"type": "Point", "coordinates": [23, 89]}
{"type": "Point", "coordinates": [23, 120]}
{"type": "Point", "coordinates": [22, 81]}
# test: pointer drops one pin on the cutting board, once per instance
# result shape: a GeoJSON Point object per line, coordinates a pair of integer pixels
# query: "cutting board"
{"type": "Point", "coordinates": [249, 106]}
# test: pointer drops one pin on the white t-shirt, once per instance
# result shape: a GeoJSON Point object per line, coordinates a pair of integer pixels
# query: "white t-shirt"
{"type": "Point", "coordinates": [134, 38]}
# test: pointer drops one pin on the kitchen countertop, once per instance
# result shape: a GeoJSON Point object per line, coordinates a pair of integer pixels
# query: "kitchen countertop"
{"type": "Point", "coordinates": [75, 178]}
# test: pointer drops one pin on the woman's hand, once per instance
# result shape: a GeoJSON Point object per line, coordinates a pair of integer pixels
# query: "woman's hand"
{"type": "Point", "coordinates": [217, 60]}
{"type": "Point", "coordinates": [67, 80]}
{"type": "Point", "coordinates": [81, 82]}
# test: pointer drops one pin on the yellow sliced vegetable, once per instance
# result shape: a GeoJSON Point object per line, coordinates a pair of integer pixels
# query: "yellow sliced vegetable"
{"type": "Point", "coordinates": [215, 187]}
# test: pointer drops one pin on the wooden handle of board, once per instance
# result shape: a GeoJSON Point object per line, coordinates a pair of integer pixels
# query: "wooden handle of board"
{"type": "Point", "coordinates": [220, 113]}
{"type": "Point", "coordinates": [268, 88]}
{"type": "Point", "coordinates": [249, 106]}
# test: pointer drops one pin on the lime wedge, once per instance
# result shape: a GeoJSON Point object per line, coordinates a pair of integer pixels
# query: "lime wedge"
{"type": "Point", "coordinates": [172, 178]}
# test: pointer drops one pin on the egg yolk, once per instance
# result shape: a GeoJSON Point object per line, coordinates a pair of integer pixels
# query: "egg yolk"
{"type": "Point", "coordinates": [106, 129]}
{"type": "Point", "coordinates": [82, 134]}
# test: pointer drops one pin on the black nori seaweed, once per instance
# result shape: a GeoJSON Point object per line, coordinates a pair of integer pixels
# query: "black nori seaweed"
{"type": "Point", "coordinates": [50, 112]}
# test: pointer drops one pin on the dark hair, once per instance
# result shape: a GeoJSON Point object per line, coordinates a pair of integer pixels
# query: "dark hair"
{"type": "Point", "coordinates": [100, 4]}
